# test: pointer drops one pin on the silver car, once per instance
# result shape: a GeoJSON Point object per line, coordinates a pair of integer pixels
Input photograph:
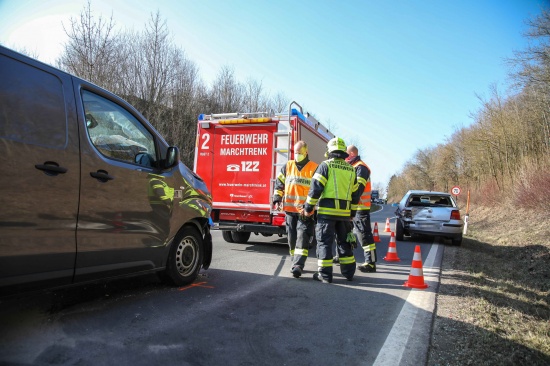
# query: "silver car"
{"type": "Point", "coordinates": [428, 213]}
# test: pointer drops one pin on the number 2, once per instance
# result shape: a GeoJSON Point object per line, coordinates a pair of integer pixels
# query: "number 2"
{"type": "Point", "coordinates": [206, 138]}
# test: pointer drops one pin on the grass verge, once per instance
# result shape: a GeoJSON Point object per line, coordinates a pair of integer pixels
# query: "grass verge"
{"type": "Point", "coordinates": [493, 300]}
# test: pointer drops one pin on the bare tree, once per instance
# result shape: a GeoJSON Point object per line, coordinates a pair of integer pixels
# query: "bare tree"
{"type": "Point", "coordinates": [254, 100]}
{"type": "Point", "coordinates": [92, 47]}
{"type": "Point", "coordinates": [227, 94]}
{"type": "Point", "coordinates": [278, 103]}
{"type": "Point", "coordinates": [185, 93]}
{"type": "Point", "coordinates": [28, 52]}
{"type": "Point", "coordinates": [533, 63]}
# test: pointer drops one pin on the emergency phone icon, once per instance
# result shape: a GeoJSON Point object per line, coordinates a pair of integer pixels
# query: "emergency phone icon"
{"type": "Point", "coordinates": [233, 167]}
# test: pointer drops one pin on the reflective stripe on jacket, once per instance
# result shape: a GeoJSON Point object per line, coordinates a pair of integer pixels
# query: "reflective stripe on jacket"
{"type": "Point", "coordinates": [363, 179]}
{"type": "Point", "coordinates": [297, 184]}
{"type": "Point", "coordinates": [332, 188]}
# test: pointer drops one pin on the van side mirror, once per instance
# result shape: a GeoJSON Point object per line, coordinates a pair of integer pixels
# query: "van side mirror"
{"type": "Point", "coordinates": [172, 157]}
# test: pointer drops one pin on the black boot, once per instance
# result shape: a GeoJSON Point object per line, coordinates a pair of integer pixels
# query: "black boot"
{"type": "Point", "coordinates": [367, 267]}
{"type": "Point", "coordinates": [318, 277]}
{"type": "Point", "coordinates": [296, 271]}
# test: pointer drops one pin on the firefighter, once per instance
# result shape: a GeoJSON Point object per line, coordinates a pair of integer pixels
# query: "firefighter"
{"type": "Point", "coordinates": [291, 189]}
{"type": "Point", "coordinates": [334, 190]}
{"type": "Point", "coordinates": [361, 221]}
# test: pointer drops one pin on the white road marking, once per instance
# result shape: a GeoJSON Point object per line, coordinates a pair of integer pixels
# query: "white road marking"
{"type": "Point", "coordinates": [392, 351]}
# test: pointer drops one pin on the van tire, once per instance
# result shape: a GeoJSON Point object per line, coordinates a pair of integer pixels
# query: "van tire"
{"type": "Point", "coordinates": [226, 234]}
{"type": "Point", "coordinates": [185, 257]}
{"type": "Point", "coordinates": [240, 236]}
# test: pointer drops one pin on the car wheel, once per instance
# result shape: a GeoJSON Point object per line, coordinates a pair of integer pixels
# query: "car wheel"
{"type": "Point", "coordinates": [240, 237]}
{"type": "Point", "coordinates": [226, 234]}
{"type": "Point", "coordinates": [185, 257]}
{"type": "Point", "coordinates": [457, 241]}
{"type": "Point", "coordinates": [399, 230]}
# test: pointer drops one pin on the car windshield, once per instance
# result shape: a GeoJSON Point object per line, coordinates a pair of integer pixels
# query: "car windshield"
{"type": "Point", "coordinates": [429, 201]}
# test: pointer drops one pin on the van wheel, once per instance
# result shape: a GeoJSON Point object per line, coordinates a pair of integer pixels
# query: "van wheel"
{"type": "Point", "coordinates": [226, 234]}
{"type": "Point", "coordinates": [240, 237]}
{"type": "Point", "coordinates": [185, 257]}
{"type": "Point", "coordinates": [399, 232]}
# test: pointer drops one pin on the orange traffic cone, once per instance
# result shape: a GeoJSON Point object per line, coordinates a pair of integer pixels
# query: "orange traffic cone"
{"type": "Point", "coordinates": [387, 229]}
{"type": "Point", "coordinates": [416, 277]}
{"type": "Point", "coordinates": [392, 250]}
{"type": "Point", "coordinates": [375, 233]}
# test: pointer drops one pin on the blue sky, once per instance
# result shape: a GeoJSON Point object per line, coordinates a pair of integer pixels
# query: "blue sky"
{"type": "Point", "coordinates": [390, 76]}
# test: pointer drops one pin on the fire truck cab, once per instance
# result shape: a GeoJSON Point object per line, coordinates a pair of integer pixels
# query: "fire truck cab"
{"type": "Point", "coordinates": [239, 156]}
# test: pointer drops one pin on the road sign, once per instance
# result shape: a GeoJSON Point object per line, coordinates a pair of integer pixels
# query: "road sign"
{"type": "Point", "coordinates": [455, 190]}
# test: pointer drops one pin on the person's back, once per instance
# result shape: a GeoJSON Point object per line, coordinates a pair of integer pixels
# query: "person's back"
{"type": "Point", "coordinates": [333, 190]}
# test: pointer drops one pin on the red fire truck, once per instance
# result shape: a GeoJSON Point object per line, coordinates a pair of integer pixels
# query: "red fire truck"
{"type": "Point", "coordinates": [239, 156]}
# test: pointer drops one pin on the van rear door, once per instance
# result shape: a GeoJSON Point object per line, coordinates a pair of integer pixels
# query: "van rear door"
{"type": "Point", "coordinates": [40, 174]}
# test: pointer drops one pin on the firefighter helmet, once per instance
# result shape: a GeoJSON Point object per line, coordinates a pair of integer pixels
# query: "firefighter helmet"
{"type": "Point", "coordinates": [336, 144]}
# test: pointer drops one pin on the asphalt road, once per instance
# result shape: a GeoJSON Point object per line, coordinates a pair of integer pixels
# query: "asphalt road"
{"type": "Point", "coordinates": [247, 309]}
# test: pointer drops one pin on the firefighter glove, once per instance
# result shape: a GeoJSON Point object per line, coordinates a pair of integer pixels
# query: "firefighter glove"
{"type": "Point", "coordinates": [277, 199]}
{"type": "Point", "coordinates": [306, 216]}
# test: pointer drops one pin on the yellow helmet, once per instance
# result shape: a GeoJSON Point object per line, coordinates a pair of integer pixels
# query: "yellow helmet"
{"type": "Point", "coordinates": [335, 144]}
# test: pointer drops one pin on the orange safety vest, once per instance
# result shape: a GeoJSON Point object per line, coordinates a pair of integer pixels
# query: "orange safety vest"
{"type": "Point", "coordinates": [364, 201]}
{"type": "Point", "coordinates": [297, 184]}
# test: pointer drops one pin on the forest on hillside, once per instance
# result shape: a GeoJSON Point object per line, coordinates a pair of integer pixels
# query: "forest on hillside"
{"type": "Point", "coordinates": [503, 156]}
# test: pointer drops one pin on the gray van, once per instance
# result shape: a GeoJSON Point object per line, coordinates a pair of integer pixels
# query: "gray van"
{"type": "Point", "coordinates": [89, 190]}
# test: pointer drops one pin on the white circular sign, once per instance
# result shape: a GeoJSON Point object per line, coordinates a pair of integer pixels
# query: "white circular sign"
{"type": "Point", "coordinates": [455, 190]}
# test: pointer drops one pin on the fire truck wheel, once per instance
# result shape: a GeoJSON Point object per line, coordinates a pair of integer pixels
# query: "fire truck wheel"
{"type": "Point", "coordinates": [185, 258]}
{"type": "Point", "coordinates": [226, 234]}
{"type": "Point", "coordinates": [240, 237]}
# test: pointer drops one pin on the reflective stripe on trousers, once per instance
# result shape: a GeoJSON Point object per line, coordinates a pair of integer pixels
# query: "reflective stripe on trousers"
{"type": "Point", "coordinates": [305, 230]}
{"type": "Point", "coordinates": [363, 230]}
{"type": "Point", "coordinates": [326, 231]}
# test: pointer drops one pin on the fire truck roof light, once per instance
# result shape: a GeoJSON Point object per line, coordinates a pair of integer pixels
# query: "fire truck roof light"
{"type": "Point", "coordinates": [201, 117]}
{"type": "Point", "coordinates": [300, 115]}
{"type": "Point", "coordinates": [237, 121]}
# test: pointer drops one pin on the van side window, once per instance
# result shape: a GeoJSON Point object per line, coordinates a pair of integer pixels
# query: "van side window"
{"type": "Point", "coordinates": [32, 105]}
{"type": "Point", "coordinates": [116, 133]}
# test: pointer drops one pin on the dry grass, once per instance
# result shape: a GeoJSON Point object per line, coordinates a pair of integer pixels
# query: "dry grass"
{"type": "Point", "coordinates": [493, 301]}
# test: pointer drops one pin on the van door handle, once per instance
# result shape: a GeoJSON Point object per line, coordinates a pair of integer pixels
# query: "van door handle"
{"type": "Point", "coordinates": [102, 175]}
{"type": "Point", "coordinates": [51, 168]}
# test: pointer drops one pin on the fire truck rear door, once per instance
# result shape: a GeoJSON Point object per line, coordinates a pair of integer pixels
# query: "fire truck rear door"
{"type": "Point", "coordinates": [243, 165]}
